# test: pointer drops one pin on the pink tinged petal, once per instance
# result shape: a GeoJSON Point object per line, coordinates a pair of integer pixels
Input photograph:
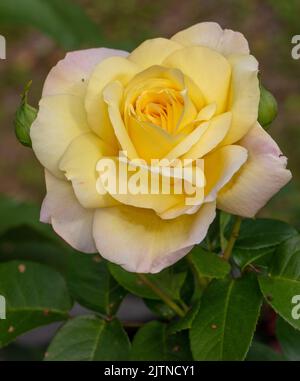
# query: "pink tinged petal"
{"type": "Point", "coordinates": [140, 241]}
{"type": "Point", "coordinates": [263, 175]}
{"type": "Point", "coordinates": [68, 218]}
{"type": "Point", "coordinates": [61, 118]}
{"type": "Point", "coordinates": [211, 35]}
{"type": "Point", "coordinates": [71, 74]}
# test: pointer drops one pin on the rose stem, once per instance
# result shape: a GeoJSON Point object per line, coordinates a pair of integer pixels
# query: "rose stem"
{"type": "Point", "coordinates": [162, 295]}
{"type": "Point", "coordinates": [233, 237]}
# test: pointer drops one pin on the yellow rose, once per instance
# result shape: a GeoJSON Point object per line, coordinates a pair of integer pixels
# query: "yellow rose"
{"type": "Point", "coordinates": [194, 96]}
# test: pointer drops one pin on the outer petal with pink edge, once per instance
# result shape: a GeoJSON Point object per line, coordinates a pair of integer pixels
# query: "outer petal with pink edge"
{"type": "Point", "coordinates": [71, 74]}
{"type": "Point", "coordinates": [140, 241]}
{"type": "Point", "coordinates": [263, 175]}
{"type": "Point", "coordinates": [68, 218]}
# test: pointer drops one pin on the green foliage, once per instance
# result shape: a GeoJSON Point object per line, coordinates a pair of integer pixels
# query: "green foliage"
{"type": "Point", "coordinates": [88, 338]}
{"type": "Point", "coordinates": [35, 296]}
{"type": "Point", "coordinates": [62, 20]}
{"type": "Point", "coordinates": [160, 309]}
{"type": "Point", "coordinates": [206, 312]}
{"type": "Point", "coordinates": [262, 352]}
{"type": "Point", "coordinates": [168, 280]}
{"type": "Point", "coordinates": [208, 264]}
{"type": "Point", "coordinates": [289, 339]}
{"type": "Point", "coordinates": [92, 285]}
{"type": "Point", "coordinates": [226, 321]}
{"type": "Point", "coordinates": [186, 322]}
{"type": "Point", "coordinates": [15, 214]}
{"type": "Point", "coordinates": [262, 233]}
{"type": "Point", "coordinates": [152, 342]}
{"type": "Point", "coordinates": [258, 240]}
{"type": "Point", "coordinates": [282, 282]}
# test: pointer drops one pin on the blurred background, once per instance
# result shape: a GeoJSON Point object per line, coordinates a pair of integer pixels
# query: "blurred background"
{"type": "Point", "coordinates": [38, 33]}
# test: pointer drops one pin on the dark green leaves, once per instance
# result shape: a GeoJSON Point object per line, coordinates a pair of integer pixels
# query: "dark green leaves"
{"type": "Point", "coordinates": [268, 108]}
{"type": "Point", "coordinates": [262, 352]}
{"type": "Point", "coordinates": [16, 214]}
{"type": "Point", "coordinates": [263, 233]}
{"type": "Point", "coordinates": [25, 116]}
{"type": "Point", "coordinates": [35, 295]}
{"type": "Point", "coordinates": [208, 264]}
{"type": "Point", "coordinates": [88, 338]}
{"type": "Point", "coordinates": [168, 280]}
{"type": "Point", "coordinates": [289, 339]}
{"type": "Point", "coordinates": [283, 281]}
{"type": "Point", "coordinates": [258, 240]}
{"type": "Point", "coordinates": [226, 321]}
{"type": "Point", "coordinates": [63, 20]}
{"type": "Point", "coordinates": [92, 285]}
{"type": "Point", "coordinates": [152, 342]}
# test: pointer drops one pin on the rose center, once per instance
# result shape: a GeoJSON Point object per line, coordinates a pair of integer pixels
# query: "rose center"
{"type": "Point", "coordinates": [161, 107]}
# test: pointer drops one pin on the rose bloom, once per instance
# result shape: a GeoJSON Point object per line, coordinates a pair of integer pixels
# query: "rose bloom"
{"type": "Point", "coordinates": [194, 96]}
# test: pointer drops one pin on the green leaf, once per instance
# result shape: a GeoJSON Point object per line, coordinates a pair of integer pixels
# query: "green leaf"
{"type": "Point", "coordinates": [186, 322]}
{"type": "Point", "coordinates": [262, 352]}
{"type": "Point", "coordinates": [92, 285]}
{"type": "Point", "coordinates": [159, 308]}
{"type": "Point", "coordinates": [88, 338]}
{"type": "Point", "coordinates": [268, 109]}
{"type": "Point", "coordinates": [152, 343]}
{"type": "Point", "coordinates": [226, 321]}
{"type": "Point", "coordinates": [208, 264]}
{"type": "Point", "coordinates": [15, 214]}
{"type": "Point", "coordinates": [46, 253]}
{"type": "Point", "coordinates": [258, 240]}
{"type": "Point", "coordinates": [260, 258]}
{"type": "Point", "coordinates": [263, 233]}
{"type": "Point", "coordinates": [35, 295]}
{"type": "Point", "coordinates": [25, 116]}
{"type": "Point", "coordinates": [283, 280]}
{"type": "Point", "coordinates": [289, 339]}
{"type": "Point", "coordinates": [62, 20]}
{"type": "Point", "coordinates": [167, 280]}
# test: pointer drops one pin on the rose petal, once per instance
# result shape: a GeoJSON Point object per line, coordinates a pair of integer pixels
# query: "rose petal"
{"type": "Point", "coordinates": [61, 118]}
{"type": "Point", "coordinates": [244, 97]}
{"type": "Point", "coordinates": [68, 218]}
{"type": "Point", "coordinates": [220, 166]}
{"type": "Point", "coordinates": [71, 74]}
{"type": "Point", "coordinates": [153, 52]}
{"type": "Point", "coordinates": [79, 164]}
{"type": "Point", "coordinates": [117, 233]}
{"type": "Point", "coordinates": [112, 95]}
{"type": "Point", "coordinates": [263, 175]}
{"type": "Point", "coordinates": [109, 70]}
{"type": "Point", "coordinates": [211, 35]}
{"type": "Point", "coordinates": [214, 134]}
{"type": "Point", "coordinates": [210, 71]}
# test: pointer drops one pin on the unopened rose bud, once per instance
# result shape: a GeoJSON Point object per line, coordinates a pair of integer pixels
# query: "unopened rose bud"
{"type": "Point", "coordinates": [268, 109]}
{"type": "Point", "coordinates": [25, 115]}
